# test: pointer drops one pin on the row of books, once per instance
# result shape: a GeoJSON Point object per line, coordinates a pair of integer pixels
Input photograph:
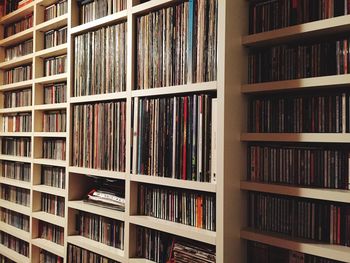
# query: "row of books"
{"type": "Point", "coordinates": [299, 217]}
{"type": "Point", "coordinates": [9, 6]}
{"type": "Point", "coordinates": [181, 206]}
{"type": "Point", "coordinates": [18, 98]}
{"type": "Point", "coordinates": [55, 65]}
{"type": "Point", "coordinates": [174, 137]}
{"type": "Point", "coordinates": [16, 146]}
{"type": "Point", "coordinates": [47, 257]}
{"type": "Point", "coordinates": [311, 166]}
{"type": "Point", "coordinates": [14, 243]}
{"type": "Point", "coordinates": [301, 60]}
{"type": "Point", "coordinates": [51, 232]}
{"type": "Point", "coordinates": [4, 259]}
{"type": "Point", "coordinates": [101, 229]}
{"type": "Point", "coordinates": [90, 10]}
{"type": "Point", "coordinates": [18, 74]}
{"type": "Point", "coordinates": [55, 93]}
{"type": "Point", "coordinates": [15, 170]}
{"type": "Point", "coordinates": [54, 149]}
{"type": "Point", "coordinates": [173, 50]}
{"type": "Point", "coordinates": [321, 113]}
{"type": "Point", "coordinates": [99, 136]}
{"type": "Point", "coordinates": [55, 37]}
{"type": "Point", "coordinates": [52, 204]}
{"type": "Point", "coordinates": [269, 15]}
{"type": "Point", "coordinates": [14, 219]}
{"type": "Point", "coordinates": [100, 61]}
{"type": "Point", "coordinates": [18, 26]}
{"type": "Point", "coordinates": [20, 122]}
{"type": "Point", "coordinates": [53, 176]}
{"type": "Point", "coordinates": [54, 121]}
{"type": "Point", "coordinates": [262, 253]}
{"type": "Point", "coordinates": [15, 194]}
{"type": "Point", "coordinates": [77, 254]}
{"type": "Point", "coordinates": [55, 10]}
{"type": "Point", "coordinates": [18, 50]}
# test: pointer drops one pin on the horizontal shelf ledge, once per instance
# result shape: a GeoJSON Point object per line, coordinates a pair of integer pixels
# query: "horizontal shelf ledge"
{"type": "Point", "coordinates": [16, 38]}
{"type": "Point", "coordinates": [52, 79]}
{"type": "Point", "coordinates": [45, 2]}
{"type": "Point", "coordinates": [52, 51]}
{"type": "Point", "coordinates": [50, 162]}
{"type": "Point", "coordinates": [15, 207]}
{"type": "Point", "coordinates": [15, 134]}
{"type": "Point", "coordinates": [15, 15]}
{"type": "Point", "coordinates": [336, 195]}
{"type": "Point", "coordinates": [97, 247]}
{"type": "Point", "coordinates": [94, 209]}
{"type": "Point", "coordinates": [17, 85]}
{"type": "Point", "coordinates": [104, 21]}
{"type": "Point", "coordinates": [334, 252]}
{"type": "Point", "coordinates": [311, 29]}
{"type": "Point", "coordinates": [13, 255]}
{"type": "Point", "coordinates": [151, 5]}
{"type": "Point", "coordinates": [51, 134]}
{"type": "Point", "coordinates": [50, 218]}
{"type": "Point", "coordinates": [316, 82]}
{"type": "Point", "coordinates": [15, 182]}
{"type": "Point", "coordinates": [15, 109]}
{"type": "Point", "coordinates": [17, 61]}
{"type": "Point", "coordinates": [15, 158]}
{"type": "Point", "coordinates": [96, 172]}
{"type": "Point", "coordinates": [178, 229]}
{"type": "Point", "coordinates": [140, 260]}
{"type": "Point", "coordinates": [49, 246]}
{"type": "Point", "coordinates": [54, 23]}
{"type": "Point", "coordinates": [14, 231]}
{"type": "Point", "coordinates": [171, 182]}
{"type": "Point", "coordinates": [196, 87]}
{"type": "Point", "coordinates": [49, 190]}
{"type": "Point", "coordinates": [297, 137]}
{"type": "Point", "coordinates": [99, 97]}
{"type": "Point", "coordinates": [56, 106]}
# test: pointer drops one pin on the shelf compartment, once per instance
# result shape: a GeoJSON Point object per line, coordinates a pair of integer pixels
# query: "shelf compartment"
{"type": "Point", "coordinates": [15, 182]}
{"type": "Point", "coordinates": [15, 134]}
{"type": "Point", "coordinates": [96, 172]}
{"type": "Point", "coordinates": [97, 210]}
{"type": "Point", "coordinates": [334, 252]}
{"type": "Point", "coordinates": [335, 195]}
{"type": "Point", "coordinates": [17, 85]}
{"type": "Point", "coordinates": [15, 158]}
{"type": "Point", "coordinates": [99, 97]}
{"type": "Point", "coordinates": [51, 134]}
{"type": "Point", "coordinates": [16, 109]}
{"type": "Point", "coordinates": [16, 38]}
{"type": "Point", "coordinates": [151, 6]}
{"type": "Point", "coordinates": [50, 218]}
{"type": "Point", "coordinates": [171, 182]}
{"type": "Point", "coordinates": [297, 84]}
{"type": "Point", "coordinates": [196, 87]}
{"type": "Point", "coordinates": [49, 246]}
{"type": "Point", "coordinates": [17, 61]}
{"type": "Point", "coordinates": [296, 137]}
{"type": "Point", "coordinates": [15, 207]}
{"type": "Point", "coordinates": [97, 247]}
{"type": "Point", "coordinates": [54, 23]}
{"type": "Point", "coordinates": [52, 79]}
{"type": "Point", "coordinates": [52, 51]}
{"type": "Point", "coordinates": [49, 190]}
{"type": "Point", "coordinates": [56, 106]}
{"type": "Point", "coordinates": [13, 255]}
{"type": "Point", "coordinates": [307, 30]}
{"type": "Point", "coordinates": [178, 229]}
{"type": "Point", "coordinates": [14, 231]}
{"type": "Point", "coordinates": [15, 15]}
{"type": "Point", "coordinates": [50, 162]}
{"type": "Point", "coordinates": [45, 2]}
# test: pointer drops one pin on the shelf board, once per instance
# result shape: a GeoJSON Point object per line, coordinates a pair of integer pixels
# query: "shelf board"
{"type": "Point", "coordinates": [306, 30]}
{"type": "Point", "coordinates": [51, 134]}
{"type": "Point", "coordinates": [15, 158]}
{"type": "Point", "coordinates": [316, 82]}
{"type": "Point", "coordinates": [140, 260]}
{"type": "Point", "coordinates": [15, 134]}
{"type": "Point", "coordinates": [99, 97]}
{"type": "Point", "coordinates": [196, 87]}
{"type": "Point", "coordinates": [178, 183]}
{"type": "Point", "coordinates": [49, 190]}
{"type": "Point", "coordinates": [96, 172]}
{"type": "Point", "coordinates": [15, 109]}
{"type": "Point", "coordinates": [15, 207]}
{"type": "Point", "coordinates": [334, 252]}
{"type": "Point", "coordinates": [335, 195]}
{"type": "Point", "coordinates": [17, 85]}
{"type": "Point", "coordinates": [17, 61]}
{"type": "Point", "coordinates": [104, 21]}
{"type": "Point", "coordinates": [50, 162]}
{"type": "Point", "coordinates": [13, 255]}
{"type": "Point", "coordinates": [86, 207]}
{"type": "Point", "coordinates": [52, 79]}
{"type": "Point", "coordinates": [151, 6]}
{"type": "Point", "coordinates": [45, 2]}
{"type": "Point", "coordinates": [296, 137]}
{"type": "Point", "coordinates": [14, 231]}
{"type": "Point", "coordinates": [49, 246]}
{"type": "Point", "coordinates": [56, 106]}
{"type": "Point", "coordinates": [17, 14]}
{"type": "Point", "coordinates": [15, 182]}
{"type": "Point", "coordinates": [50, 218]}
{"type": "Point", "coordinates": [178, 229]}
{"type": "Point", "coordinates": [52, 51]}
{"type": "Point", "coordinates": [16, 38]}
{"type": "Point", "coordinates": [97, 247]}
{"type": "Point", "coordinates": [54, 23]}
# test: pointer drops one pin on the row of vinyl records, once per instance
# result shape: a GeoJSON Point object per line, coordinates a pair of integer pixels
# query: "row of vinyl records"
{"type": "Point", "coordinates": [181, 206]}
{"type": "Point", "coordinates": [54, 121]}
{"type": "Point", "coordinates": [322, 113]}
{"type": "Point", "coordinates": [19, 26]}
{"type": "Point", "coordinates": [101, 229]}
{"type": "Point", "coordinates": [18, 98]}
{"type": "Point", "coordinates": [47, 257]}
{"type": "Point", "coordinates": [322, 221]}
{"type": "Point", "coordinates": [55, 93]}
{"type": "Point", "coordinates": [55, 65]}
{"type": "Point", "coordinates": [77, 254]}
{"type": "Point", "coordinates": [55, 37]}
{"type": "Point", "coordinates": [93, 9]}
{"type": "Point", "coordinates": [52, 204]}
{"type": "Point", "coordinates": [15, 170]}
{"type": "Point", "coordinates": [177, 45]}
{"type": "Point", "coordinates": [14, 243]}
{"type": "Point", "coordinates": [100, 61]}
{"type": "Point", "coordinates": [55, 10]}
{"type": "Point", "coordinates": [299, 60]}
{"type": "Point", "coordinates": [53, 176]}
{"type": "Point", "coordinates": [15, 194]}
{"type": "Point", "coordinates": [54, 149]}
{"type": "Point", "coordinates": [16, 146]}
{"type": "Point", "coordinates": [15, 219]}
{"type": "Point", "coordinates": [20, 122]}
{"type": "Point", "coordinates": [51, 232]}
{"type": "Point", "coordinates": [18, 74]}
{"type": "Point", "coordinates": [262, 253]}
{"type": "Point", "coordinates": [19, 50]}
{"type": "Point", "coordinates": [269, 15]}
{"type": "Point", "coordinates": [174, 137]}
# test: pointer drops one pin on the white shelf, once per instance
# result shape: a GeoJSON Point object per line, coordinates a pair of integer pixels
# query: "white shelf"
{"type": "Point", "coordinates": [15, 207]}
{"type": "Point", "coordinates": [151, 5]}
{"type": "Point", "coordinates": [140, 260]}
{"type": "Point", "coordinates": [15, 134]}
{"type": "Point", "coordinates": [50, 162]}
{"type": "Point", "coordinates": [15, 182]}
{"type": "Point", "coordinates": [16, 109]}
{"type": "Point", "coordinates": [15, 158]}
{"type": "Point", "coordinates": [51, 134]}
{"type": "Point", "coordinates": [16, 38]}
{"type": "Point", "coordinates": [54, 23]}
{"type": "Point", "coordinates": [49, 190]}
{"type": "Point", "coordinates": [52, 79]}
{"type": "Point", "coordinates": [13, 255]}
{"type": "Point", "coordinates": [96, 172]}
{"type": "Point", "coordinates": [296, 137]}
{"type": "Point", "coordinates": [49, 246]}
{"type": "Point", "coordinates": [56, 106]}
{"type": "Point", "coordinates": [50, 218]}
{"type": "Point", "coordinates": [15, 15]}
{"type": "Point", "coordinates": [99, 97]}
{"type": "Point", "coordinates": [17, 62]}
{"type": "Point", "coordinates": [16, 232]}
{"type": "Point", "coordinates": [178, 229]}
{"type": "Point", "coordinates": [52, 51]}
{"type": "Point", "coordinates": [17, 85]}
